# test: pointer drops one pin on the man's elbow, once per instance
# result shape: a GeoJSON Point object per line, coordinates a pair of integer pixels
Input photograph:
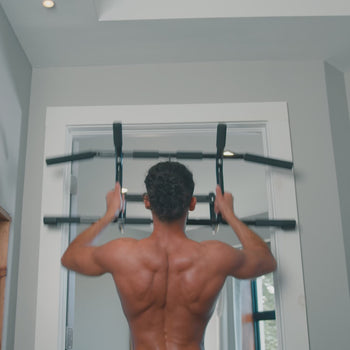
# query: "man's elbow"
{"type": "Point", "coordinates": [273, 265]}
{"type": "Point", "coordinates": [270, 264]}
{"type": "Point", "coordinates": [65, 261]}
{"type": "Point", "coordinates": [265, 262]}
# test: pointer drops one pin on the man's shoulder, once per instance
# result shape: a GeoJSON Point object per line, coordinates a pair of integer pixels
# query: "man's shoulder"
{"type": "Point", "coordinates": [214, 244]}
{"type": "Point", "coordinates": [219, 250]}
{"type": "Point", "coordinates": [128, 243]}
{"type": "Point", "coordinates": [118, 249]}
{"type": "Point", "coordinates": [122, 243]}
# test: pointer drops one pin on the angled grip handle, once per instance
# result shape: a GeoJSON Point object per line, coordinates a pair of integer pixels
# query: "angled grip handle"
{"type": "Point", "coordinates": [117, 137]}
{"type": "Point", "coordinates": [220, 145]}
{"type": "Point", "coordinates": [221, 137]}
{"type": "Point", "coordinates": [118, 142]}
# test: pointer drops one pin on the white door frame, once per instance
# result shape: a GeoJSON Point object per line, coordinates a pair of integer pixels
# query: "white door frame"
{"type": "Point", "coordinates": [62, 123]}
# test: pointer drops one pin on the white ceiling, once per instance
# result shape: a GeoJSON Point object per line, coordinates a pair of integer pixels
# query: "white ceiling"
{"type": "Point", "coordinates": [88, 32]}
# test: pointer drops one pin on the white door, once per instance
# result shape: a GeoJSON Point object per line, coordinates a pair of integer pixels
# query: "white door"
{"type": "Point", "coordinates": [259, 190]}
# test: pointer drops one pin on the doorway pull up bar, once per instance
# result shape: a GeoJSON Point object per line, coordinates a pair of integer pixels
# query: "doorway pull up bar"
{"type": "Point", "coordinates": [88, 220]}
{"type": "Point", "coordinates": [219, 156]}
{"type": "Point", "coordinates": [170, 155]}
{"type": "Point", "coordinates": [183, 155]}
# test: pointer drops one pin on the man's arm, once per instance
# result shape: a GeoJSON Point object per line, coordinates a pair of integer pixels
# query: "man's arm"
{"type": "Point", "coordinates": [81, 256]}
{"type": "Point", "coordinates": [255, 259]}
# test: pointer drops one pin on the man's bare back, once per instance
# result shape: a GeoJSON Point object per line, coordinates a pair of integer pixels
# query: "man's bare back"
{"type": "Point", "coordinates": [168, 291]}
{"type": "Point", "coordinates": [167, 283]}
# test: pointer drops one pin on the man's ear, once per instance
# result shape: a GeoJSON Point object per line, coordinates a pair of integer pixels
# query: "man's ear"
{"type": "Point", "coordinates": [193, 203]}
{"type": "Point", "coordinates": [146, 201]}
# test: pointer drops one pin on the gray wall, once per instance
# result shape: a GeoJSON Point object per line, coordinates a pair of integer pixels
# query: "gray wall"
{"type": "Point", "coordinates": [15, 78]}
{"type": "Point", "coordinates": [347, 86]}
{"type": "Point", "coordinates": [340, 127]}
{"type": "Point", "coordinates": [301, 84]}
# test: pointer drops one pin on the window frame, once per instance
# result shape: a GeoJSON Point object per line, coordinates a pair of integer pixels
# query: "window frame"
{"type": "Point", "coordinates": [259, 316]}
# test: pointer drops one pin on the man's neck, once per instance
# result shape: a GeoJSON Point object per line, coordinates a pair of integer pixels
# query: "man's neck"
{"type": "Point", "coordinates": [168, 231]}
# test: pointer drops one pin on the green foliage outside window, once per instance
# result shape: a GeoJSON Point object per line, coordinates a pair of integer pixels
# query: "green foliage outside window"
{"type": "Point", "coordinates": [268, 329]}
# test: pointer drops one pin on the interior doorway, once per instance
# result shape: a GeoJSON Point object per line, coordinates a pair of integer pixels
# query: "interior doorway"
{"type": "Point", "coordinates": [64, 124]}
{"type": "Point", "coordinates": [94, 311]}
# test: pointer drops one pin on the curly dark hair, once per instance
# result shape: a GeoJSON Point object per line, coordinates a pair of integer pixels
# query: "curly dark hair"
{"type": "Point", "coordinates": [170, 188]}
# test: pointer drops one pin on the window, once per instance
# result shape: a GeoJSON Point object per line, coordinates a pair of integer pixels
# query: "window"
{"type": "Point", "coordinates": [254, 308]}
{"type": "Point", "coordinates": [264, 315]}
{"type": "Point", "coordinates": [247, 182]}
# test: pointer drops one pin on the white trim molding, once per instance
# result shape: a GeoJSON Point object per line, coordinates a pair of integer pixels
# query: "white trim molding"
{"type": "Point", "coordinates": [62, 123]}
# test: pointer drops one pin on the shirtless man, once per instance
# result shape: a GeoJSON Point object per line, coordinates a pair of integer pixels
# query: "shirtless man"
{"type": "Point", "coordinates": [167, 283]}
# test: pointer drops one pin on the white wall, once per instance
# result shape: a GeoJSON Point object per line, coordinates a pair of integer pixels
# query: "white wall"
{"type": "Point", "coordinates": [340, 127]}
{"type": "Point", "coordinates": [301, 84]}
{"type": "Point", "coordinates": [158, 9]}
{"type": "Point", "coordinates": [15, 76]}
{"type": "Point", "coordinates": [347, 86]}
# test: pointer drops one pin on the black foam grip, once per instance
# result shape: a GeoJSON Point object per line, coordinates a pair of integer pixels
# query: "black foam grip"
{"type": "Point", "coordinates": [145, 154]}
{"type": "Point", "coordinates": [71, 158]}
{"type": "Point", "coordinates": [117, 136]}
{"type": "Point", "coordinates": [138, 221]}
{"type": "Point", "coordinates": [283, 224]}
{"type": "Point", "coordinates": [189, 155]}
{"type": "Point", "coordinates": [119, 173]}
{"type": "Point", "coordinates": [220, 181]}
{"type": "Point", "coordinates": [211, 207]}
{"type": "Point", "coordinates": [48, 220]}
{"type": "Point", "coordinates": [268, 161]}
{"type": "Point", "coordinates": [221, 137]}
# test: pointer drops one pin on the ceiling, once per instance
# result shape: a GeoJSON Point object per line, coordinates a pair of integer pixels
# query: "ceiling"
{"type": "Point", "coordinates": [84, 33]}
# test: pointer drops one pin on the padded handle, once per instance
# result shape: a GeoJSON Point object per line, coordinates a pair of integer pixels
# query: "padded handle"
{"type": "Point", "coordinates": [48, 220]}
{"type": "Point", "coordinates": [117, 136]}
{"type": "Point", "coordinates": [268, 161]}
{"type": "Point", "coordinates": [70, 158]}
{"type": "Point", "coordinates": [221, 137]}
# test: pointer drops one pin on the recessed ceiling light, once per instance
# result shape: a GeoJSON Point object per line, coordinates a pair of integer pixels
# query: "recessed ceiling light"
{"type": "Point", "coordinates": [48, 4]}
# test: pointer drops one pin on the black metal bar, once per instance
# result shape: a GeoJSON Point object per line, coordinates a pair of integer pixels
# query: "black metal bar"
{"type": "Point", "coordinates": [264, 315]}
{"type": "Point", "coordinates": [283, 224]}
{"type": "Point", "coordinates": [53, 220]}
{"type": "Point", "coordinates": [176, 155]}
{"type": "Point", "coordinates": [190, 155]}
{"type": "Point", "coordinates": [202, 198]}
{"type": "Point", "coordinates": [132, 197]}
{"type": "Point", "coordinates": [143, 154]}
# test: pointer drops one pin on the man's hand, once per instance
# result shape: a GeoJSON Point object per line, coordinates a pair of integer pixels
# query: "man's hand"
{"type": "Point", "coordinates": [223, 204]}
{"type": "Point", "coordinates": [114, 202]}
{"type": "Point", "coordinates": [255, 257]}
{"type": "Point", "coordinates": [81, 255]}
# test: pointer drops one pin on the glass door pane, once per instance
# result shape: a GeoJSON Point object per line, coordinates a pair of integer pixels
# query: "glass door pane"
{"type": "Point", "coordinates": [97, 318]}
